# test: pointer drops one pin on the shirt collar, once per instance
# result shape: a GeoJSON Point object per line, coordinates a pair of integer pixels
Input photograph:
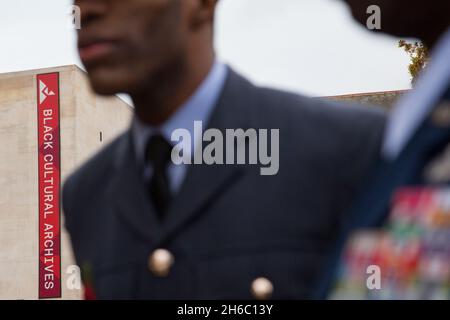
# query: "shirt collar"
{"type": "Point", "coordinates": [414, 107]}
{"type": "Point", "coordinates": [197, 108]}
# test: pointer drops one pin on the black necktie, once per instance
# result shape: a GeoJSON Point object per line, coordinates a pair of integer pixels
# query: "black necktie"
{"type": "Point", "coordinates": [158, 156]}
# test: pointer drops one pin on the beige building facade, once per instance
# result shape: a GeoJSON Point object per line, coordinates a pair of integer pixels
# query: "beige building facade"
{"type": "Point", "coordinates": [86, 123]}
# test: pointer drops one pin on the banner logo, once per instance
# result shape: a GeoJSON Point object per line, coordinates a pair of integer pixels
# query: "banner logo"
{"type": "Point", "coordinates": [49, 169]}
{"type": "Point", "coordinates": [44, 92]}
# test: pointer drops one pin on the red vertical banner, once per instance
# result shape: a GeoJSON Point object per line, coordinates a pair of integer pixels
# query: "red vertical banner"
{"type": "Point", "coordinates": [49, 167]}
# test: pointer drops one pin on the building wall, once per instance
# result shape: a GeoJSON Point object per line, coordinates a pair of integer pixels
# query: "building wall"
{"type": "Point", "coordinates": [385, 99]}
{"type": "Point", "coordinates": [82, 116]}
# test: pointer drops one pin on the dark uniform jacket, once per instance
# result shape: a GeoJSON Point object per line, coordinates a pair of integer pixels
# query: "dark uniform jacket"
{"type": "Point", "coordinates": [230, 233]}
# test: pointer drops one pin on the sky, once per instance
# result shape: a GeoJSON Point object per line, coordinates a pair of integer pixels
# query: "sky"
{"type": "Point", "coordinates": [312, 47]}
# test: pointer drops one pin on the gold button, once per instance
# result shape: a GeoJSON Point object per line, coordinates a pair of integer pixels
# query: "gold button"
{"type": "Point", "coordinates": [160, 262]}
{"type": "Point", "coordinates": [262, 288]}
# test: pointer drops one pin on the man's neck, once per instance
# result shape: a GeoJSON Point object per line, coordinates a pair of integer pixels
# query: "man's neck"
{"type": "Point", "coordinates": [156, 105]}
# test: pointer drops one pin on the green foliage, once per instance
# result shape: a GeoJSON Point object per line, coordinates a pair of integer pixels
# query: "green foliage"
{"type": "Point", "coordinates": [418, 53]}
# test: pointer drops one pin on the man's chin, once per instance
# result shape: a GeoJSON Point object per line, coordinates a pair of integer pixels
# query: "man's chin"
{"type": "Point", "coordinates": [106, 82]}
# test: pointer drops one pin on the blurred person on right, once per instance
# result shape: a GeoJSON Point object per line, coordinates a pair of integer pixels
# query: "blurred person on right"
{"type": "Point", "coordinates": [397, 243]}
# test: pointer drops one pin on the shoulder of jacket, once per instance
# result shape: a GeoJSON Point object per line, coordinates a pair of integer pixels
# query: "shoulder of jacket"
{"type": "Point", "coordinates": [94, 172]}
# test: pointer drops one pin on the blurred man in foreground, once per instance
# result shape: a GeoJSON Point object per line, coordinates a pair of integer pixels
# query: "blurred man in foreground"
{"type": "Point", "coordinates": [146, 228]}
{"type": "Point", "coordinates": [410, 187]}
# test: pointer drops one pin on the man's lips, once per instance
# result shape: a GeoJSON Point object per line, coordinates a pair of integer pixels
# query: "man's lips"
{"type": "Point", "coordinates": [96, 50]}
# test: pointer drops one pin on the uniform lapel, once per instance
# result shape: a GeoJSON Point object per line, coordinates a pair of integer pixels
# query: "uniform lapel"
{"type": "Point", "coordinates": [204, 183]}
{"type": "Point", "coordinates": [128, 194]}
